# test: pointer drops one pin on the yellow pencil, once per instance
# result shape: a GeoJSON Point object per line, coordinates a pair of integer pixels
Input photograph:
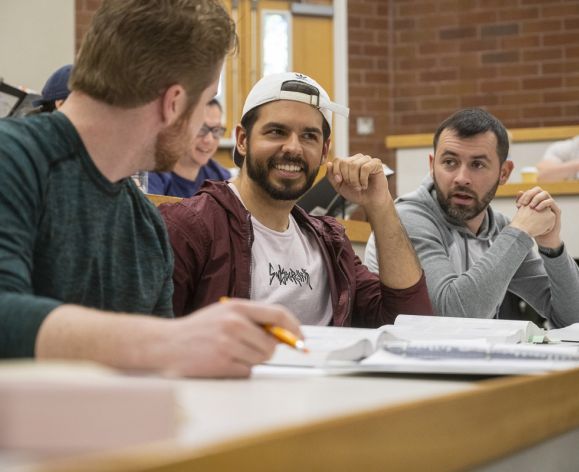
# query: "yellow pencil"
{"type": "Point", "coordinates": [281, 334]}
{"type": "Point", "coordinates": [286, 337]}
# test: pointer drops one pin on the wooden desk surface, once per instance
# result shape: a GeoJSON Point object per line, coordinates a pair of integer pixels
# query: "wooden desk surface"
{"type": "Point", "coordinates": [548, 133]}
{"type": "Point", "coordinates": [346, 423]}
{"type": "Point", "coordinates": [357, 231]}
{"type": "Point", "coordinates": [569, 187]}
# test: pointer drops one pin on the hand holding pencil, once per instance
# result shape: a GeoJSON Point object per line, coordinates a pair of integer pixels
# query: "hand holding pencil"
{"type": "Point", "coordinates": [286, 337]}
{"type": "Point", "coordinates": [223, 339]}
{"type": "Point", "coordinates": [281, 334]}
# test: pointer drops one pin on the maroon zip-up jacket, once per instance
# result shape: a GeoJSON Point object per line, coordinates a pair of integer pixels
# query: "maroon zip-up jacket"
{"type": "Point", "coordinates": [211, 234]}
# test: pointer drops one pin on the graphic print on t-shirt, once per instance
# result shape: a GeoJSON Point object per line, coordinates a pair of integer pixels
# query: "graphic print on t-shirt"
{"type": "Point", "coordinates": [282, 276]}
{"type": "Point", "coordinates": [288, 268]}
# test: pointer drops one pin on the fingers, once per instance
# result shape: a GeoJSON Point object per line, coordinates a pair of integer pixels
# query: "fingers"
{"type": "Point", "coordinates": [238, 369]}
{"type": "Point", "coordinates": [555, 209]}
{"type": "Point", "coordinates": [334, 172]}
{"type": "Point", "coordinates": [253, 344]}
{"type": "Point", "coordinates": [239, 343]}
{"type": "Point", "coordinates": [535, 198]}
{"type": "Point", "coordinates": [262, 313]}
{"type": "Point", "coordinates": [226, 339]}
{"type": "Point", "coordinates": [535, 223]}
{"type": "Point", "coordinates": [351, 170]}
{"type": "Point", "coordinates": [367, 169]}
{"type": "Point", "coordinates": [355, 171]}
{"type": "Point", "coordinates": [524, 198]}
{"type": "Point", "coordinates": [249, 343]}
{"type": "Point", "coordinates": [543, 200]}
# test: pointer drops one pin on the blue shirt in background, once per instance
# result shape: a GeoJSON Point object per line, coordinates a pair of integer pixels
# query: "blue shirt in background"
{"type": "Point", "coordinates": [169, 183]}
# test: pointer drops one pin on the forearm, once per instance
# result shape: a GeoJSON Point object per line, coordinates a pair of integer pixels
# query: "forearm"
{"type": "Point", "coordinates": [397, 261]}
{"type": "Point", "coordinates": [551, 171]}
{"type": "Point", "coordinates": [118, 340]}
{"type": "Point", "coordinates": [477, 292]}
{"type": "Point", "coordinates": [563, 276]}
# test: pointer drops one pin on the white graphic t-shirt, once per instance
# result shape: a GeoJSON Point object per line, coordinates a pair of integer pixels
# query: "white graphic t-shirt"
{"type": "Point", "coordinates": [288, 268]}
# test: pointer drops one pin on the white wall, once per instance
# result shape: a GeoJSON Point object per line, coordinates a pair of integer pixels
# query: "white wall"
{"type": "Point", "coordinates": [36, 38]}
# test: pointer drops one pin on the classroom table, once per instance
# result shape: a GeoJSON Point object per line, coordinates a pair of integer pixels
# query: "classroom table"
{"type": "Point", "coordinates": [305, 420]}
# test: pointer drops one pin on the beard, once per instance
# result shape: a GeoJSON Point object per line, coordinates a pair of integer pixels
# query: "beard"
{"type": "Point", "coordinates": [460, 214]}
{"type": "Point", "coordinates": [173, 143]}
{"type": "Point", "coordinates": [287, 189]}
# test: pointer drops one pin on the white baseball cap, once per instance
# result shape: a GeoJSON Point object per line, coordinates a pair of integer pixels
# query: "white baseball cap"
{"type": "Point", "coordinates": [286, 86]}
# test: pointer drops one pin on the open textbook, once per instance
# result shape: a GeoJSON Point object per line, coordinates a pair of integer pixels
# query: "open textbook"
{"type": "Point", "coordinates": [423, 328]}
{"type": "Point", "coordinates": [424, 340]}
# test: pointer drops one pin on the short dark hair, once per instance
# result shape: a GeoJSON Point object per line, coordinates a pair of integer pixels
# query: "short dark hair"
{"type": "Point", "coordinates": [249, 120]}
{"type": "Point", "coordinates": [472, 121]}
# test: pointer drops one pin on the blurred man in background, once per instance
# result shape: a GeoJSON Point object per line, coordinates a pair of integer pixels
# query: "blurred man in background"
{"type": "Point", "coordinates": [561, 161]}
{"type": "Point", "coordinates": [193, 169]}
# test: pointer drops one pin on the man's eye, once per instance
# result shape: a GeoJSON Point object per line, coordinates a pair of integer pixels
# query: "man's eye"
{"type": "Point", "coordinates": [311, 136]}
{"type": "Point", "coordinates": [478, 165]}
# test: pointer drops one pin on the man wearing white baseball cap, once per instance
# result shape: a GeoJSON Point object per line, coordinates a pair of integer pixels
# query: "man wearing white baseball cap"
{"type": "Point", "coordinates": [248, 239]}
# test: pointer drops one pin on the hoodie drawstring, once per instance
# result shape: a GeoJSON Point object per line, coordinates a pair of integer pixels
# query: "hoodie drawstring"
{"type": "Point", "coordinates": [466, 260]}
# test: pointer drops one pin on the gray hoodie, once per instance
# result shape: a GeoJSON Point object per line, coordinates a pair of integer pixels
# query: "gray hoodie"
{"type": "Point", "coordinates": [469, 275]}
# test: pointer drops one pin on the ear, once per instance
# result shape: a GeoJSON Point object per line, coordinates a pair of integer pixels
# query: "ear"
{"type": "Point", "coordinates": [173, 104]}
{"type": "Point", "coordinates": [431, 163]}
{"type": "Point", "coordinates": [325, 150]}
{"type": "Point", "coordinates": [241, 140]}
{"type": "Point", "coordinates": [506, 169]}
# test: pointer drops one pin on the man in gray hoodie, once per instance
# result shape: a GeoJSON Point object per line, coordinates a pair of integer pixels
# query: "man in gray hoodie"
{"type": "Point", "coordinates": [473, 257]}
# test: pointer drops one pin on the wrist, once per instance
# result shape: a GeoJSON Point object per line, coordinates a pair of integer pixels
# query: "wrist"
{"type": "Point", "coordinates": [378, 210]}
{"type": "Point", "coordinates": [514, 225]}
{"type": "Point", "coordinates": [551, 251]}
{"type": "Point", "coordinates": [549, 242]}
{"type": "Point", "coordinates": [150, 349]}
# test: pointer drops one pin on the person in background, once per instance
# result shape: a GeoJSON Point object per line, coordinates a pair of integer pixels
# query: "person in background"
{"type": "Point", "coordinates": [54, 92]}
{"type": "Point", "coordinates": [84, 255]}
{"type": "Point", "coordinates": [560, 162]}
{"type": "Point", "coordinates": [475, 257]}
{"type": "Point", "coordinates": [247, 238]}
{"type": "Point", "coordinates": [194, 168]}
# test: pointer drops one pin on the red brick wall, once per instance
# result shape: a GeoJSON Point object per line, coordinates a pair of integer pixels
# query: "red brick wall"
{"type": "Point", "coordinates": [84, 12]}
{"type": "Point", "coordinates": [413, 62]}
{"type": "Point", "coordinates": [370, 50]}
